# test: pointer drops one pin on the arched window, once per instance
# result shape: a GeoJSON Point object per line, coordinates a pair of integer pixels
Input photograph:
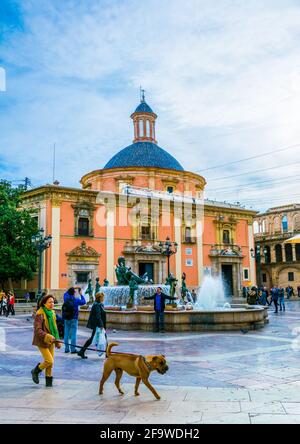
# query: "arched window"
{"type": "Point", "coordinates": [284, 224]}
{"type": "Point", "coordinates": [83, 226]}
{"type": "Point", "coordinates": [148, 128]}
{"type": "Point", "coordinates": [278, 253]}
{"type": "Point", "coordinates": [267, 254]}
{"type": "Point", "coordinates": [296, 222]}
{"type": "Point", "coordinates": [288, 252]}
{"type": "Point", "coordinates": [226, 237]}
{"type": "Point", "coordinates": [277, 226]}
{"type": "Point", "coordinates": [188, 234]}
{"type": "Point", "coordinates": [265, 226]}
{"type": "Point", "coordinates": [255, 227]}
{"type": "Point", "coordinates": [141, 128]}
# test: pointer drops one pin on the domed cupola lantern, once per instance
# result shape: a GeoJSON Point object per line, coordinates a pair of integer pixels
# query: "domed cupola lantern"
{"type": "Point", "coordinates": [144, 122]}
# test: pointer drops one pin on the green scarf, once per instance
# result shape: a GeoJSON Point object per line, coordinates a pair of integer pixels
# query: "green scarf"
{"type": "Point", "coordinates": [52, 325]}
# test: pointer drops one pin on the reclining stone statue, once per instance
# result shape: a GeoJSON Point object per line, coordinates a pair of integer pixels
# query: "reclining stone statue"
{"type": "Point", "coordinates": [124, 274]}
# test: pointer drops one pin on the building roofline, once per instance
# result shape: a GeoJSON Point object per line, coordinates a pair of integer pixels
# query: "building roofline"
{"type": "Point", "coordinates": [228, 206]}
{"type": "Point", "coordinates": [54, 188]}
{"type": "Point", "coordinates": [139, 168]}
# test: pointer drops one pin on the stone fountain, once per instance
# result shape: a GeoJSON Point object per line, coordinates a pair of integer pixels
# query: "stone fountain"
{"type": "Point", "coordinates": [212, 311]}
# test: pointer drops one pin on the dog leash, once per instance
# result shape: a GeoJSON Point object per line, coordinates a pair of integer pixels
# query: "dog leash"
{"type": "Point", "coordinates": [81, 346]}
{"type": "Point", "coordinates": [95, 350]}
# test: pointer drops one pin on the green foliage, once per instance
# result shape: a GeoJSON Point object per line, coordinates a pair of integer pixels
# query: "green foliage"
{"type": "Point", "coordinates": [18, 258]}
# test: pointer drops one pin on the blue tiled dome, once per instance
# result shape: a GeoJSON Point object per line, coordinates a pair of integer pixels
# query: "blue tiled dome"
{"type": "Point", "coordinates": [143, 108]}
{"type": "Point", "coordinates": [143, 154]}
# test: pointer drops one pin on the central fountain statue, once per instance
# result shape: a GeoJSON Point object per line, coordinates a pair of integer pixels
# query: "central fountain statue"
{"type": "Point", "coordinates": [130, 288]}
{"type": "Point", "coordinates": [125, 275]}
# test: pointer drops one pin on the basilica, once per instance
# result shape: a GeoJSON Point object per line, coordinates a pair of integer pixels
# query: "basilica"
{"type": "Point", "coordinates": [130, 207]}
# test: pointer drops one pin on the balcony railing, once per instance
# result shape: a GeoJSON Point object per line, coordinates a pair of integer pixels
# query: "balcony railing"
{"type": "Point", "coordinates": [189, 240]}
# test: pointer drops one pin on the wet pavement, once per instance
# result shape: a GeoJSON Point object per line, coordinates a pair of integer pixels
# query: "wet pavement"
{"type": "Point", "coordinates": [213, 377]}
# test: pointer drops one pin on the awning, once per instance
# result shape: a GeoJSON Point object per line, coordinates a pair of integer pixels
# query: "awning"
{"type": "Point", "coordinates": [293, 240]}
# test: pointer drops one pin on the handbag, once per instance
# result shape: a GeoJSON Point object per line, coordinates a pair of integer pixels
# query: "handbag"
{"type": "Point", "coordinates": [100, 340]}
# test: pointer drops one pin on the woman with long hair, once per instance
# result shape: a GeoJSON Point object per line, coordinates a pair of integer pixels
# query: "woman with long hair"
{"type": "Point", "coordinates": [46, 338]}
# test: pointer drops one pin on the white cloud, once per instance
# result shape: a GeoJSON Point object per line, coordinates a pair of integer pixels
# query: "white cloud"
{"type": "Point", "coordinates": [224, 78]}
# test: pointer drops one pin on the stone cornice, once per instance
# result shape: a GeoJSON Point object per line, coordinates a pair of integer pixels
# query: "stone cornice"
{"type": "Point", "coordinates": [58, 194]}
{"type": "Point", "coordinates": [181, 175]}
{"type": "Point", "coordinates": [237, 213]}
{"type": "Point", "coordinates": [278, 212]}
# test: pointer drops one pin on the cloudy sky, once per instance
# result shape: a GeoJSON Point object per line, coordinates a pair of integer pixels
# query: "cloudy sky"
{"type": "Point", "coordinates": [223, 77]}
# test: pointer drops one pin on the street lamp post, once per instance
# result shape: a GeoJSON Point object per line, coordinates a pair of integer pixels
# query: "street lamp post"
{"type": "Point", "coordinates": [257, 256]}
{"type": "Point", "coordinates": [41, 243]}
{"type": "Point", "coordinates": [168, 248]}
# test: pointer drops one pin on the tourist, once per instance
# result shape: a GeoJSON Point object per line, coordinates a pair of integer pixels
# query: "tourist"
{"type": "Point", "coordinates": [97, 318]}
{"type": "Point", "coordinates": [159, 308]}
{"type": "Point", "coordinates": [281, 298]}
{"type": "Point", "coordinates": [267, 296]}
{"type": "Point", "coordinates": [10, 304]}
{"type": "Point", "coordinates": [263, 297]}
{"type": "Point", "coordinates": [2, 301]}
{"type": "Point", "coordinates": [252, 297]}
{"type": "Point", "coordinates": [274, 295]}
{"type": "Point", "coordinates": [70, 316]}
{"type": "Point", "coordinates": [27, 297]}
{"type": "Point", "coordinates": [46, 338]}
{"type": "Point", "coordinates": [289, 291]}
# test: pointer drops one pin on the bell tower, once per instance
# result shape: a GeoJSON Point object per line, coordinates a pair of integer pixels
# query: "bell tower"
{"type": "Point", "coordinates": [144, 122]}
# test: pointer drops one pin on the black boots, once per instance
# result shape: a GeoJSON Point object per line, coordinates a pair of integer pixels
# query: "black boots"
{"type": "Point", "coordinates": [35, 374]}
{"type": "Point", "coordinates": [81, 354]}
{"type": "Point", "coordinates": [49, 380]}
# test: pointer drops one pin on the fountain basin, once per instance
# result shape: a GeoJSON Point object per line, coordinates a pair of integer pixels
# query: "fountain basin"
{"type": "Point", "coordinates": [248, 317]}
{"type": "Point", "coordinates": [120, 294]}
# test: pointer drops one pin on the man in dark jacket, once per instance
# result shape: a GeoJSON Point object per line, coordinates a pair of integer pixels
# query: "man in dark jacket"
{"type": "Point", "coordinates": [275, 295]}
{"type": "Point", "coordinates": [159, 307]}
{"type": "Point", "coordinates": [289, 291]}
{"type": "Point", "coordinates": [97, 318]}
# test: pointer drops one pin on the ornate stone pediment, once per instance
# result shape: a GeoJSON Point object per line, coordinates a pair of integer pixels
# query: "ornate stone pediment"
{"type": "Point", "coordinates": [149, 248]}
{"type": "Point", "coordinates": [83, 253]}
{"type": "Point", "coordinates": [132, 248]}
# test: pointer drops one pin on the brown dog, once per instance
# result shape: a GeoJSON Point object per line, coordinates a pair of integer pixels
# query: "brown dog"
{"type": "Point", "coordinates": [135, 365]}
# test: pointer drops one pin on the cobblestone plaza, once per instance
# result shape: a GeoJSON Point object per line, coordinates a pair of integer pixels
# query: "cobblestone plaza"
{"type": "Point", "coordinates": [226, 378]}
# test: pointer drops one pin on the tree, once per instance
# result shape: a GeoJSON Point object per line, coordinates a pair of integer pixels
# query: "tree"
{"type": "Point", "coordinates": [18, 257]}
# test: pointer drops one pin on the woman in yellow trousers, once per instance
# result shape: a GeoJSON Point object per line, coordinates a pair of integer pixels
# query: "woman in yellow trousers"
{"type": "Point", "coordinates": [45, 337]}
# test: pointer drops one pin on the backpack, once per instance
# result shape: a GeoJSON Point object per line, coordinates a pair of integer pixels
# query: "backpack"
{"type": "Point", "coordinates": [68, 310]}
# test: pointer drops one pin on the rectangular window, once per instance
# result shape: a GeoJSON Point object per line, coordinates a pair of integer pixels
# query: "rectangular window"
{"type": "Point", "coordinates": [264, 277]}
{"type": "Point", "coordinates": [83, 226]}
{"type": "Point", "coordinates": [291, 276]}
{"type": "Point", "coordinates": [189, 262]}
{"type": "Point", "coordinates": [188, 251]}
{"type": "Point", "coordinates": [226, 237]}
{"type": "Point", "coordinates": [246, 274]}
{"type": "Point", "coordinates": [146, 232]}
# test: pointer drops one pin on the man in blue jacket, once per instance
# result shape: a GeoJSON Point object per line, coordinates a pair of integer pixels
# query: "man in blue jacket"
{"type": "Point", "coordinates": [70, 316]}
{"type": "Point", "coordinates": [159, 307]}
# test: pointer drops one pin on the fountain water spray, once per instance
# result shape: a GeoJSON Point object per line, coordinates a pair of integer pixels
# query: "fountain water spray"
{"type": "Point", "coordinates": [211, 294]}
